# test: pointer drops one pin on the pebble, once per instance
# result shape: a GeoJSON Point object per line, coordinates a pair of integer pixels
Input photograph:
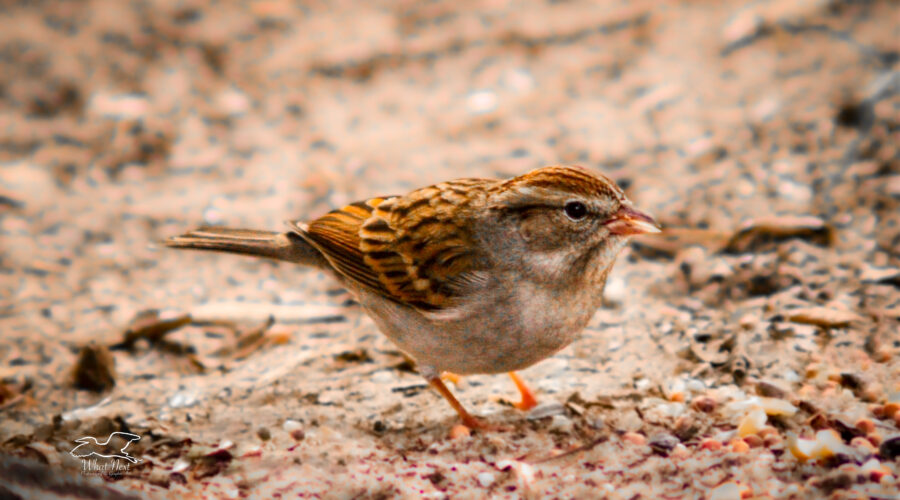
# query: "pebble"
{"type": "Point", "coordinates": [545, 410]}
{"type": "Point", "coordinates": [754, 441]}
{"type": "Point", "coordinates": [865, 425]}
{"type": "Point", "coordinates": [752, 423]}
{"type": "Point", "coordinates": [863, 443]}
{"type": "Point", "coordinates": [291, 425]}
{"type": "Point", "coordinates": [485, 479]}
{"type": "Point", "coordinates": [726, 491]}
{"type": "Point", "coordinates": [680, 451]}
{"type": "Point", "coordinates": [704, 404]}
{"type": "Point", "coordinates": [710, 444]}
{"type": "Point", "coordinates": [770, 390]}
{"type": "Point", "coordinates": [459, 431]}
{"type": "Point", "coordinates": [183, 399]}
{"type": "Point", "coordinates": [634, 438]}
{"type": "Point", "coordinates": [663, 443]}
{"type": "Point", "coordinates": [481, 101]}
{"type": "Point", "coordinates": [875, 438]}
{"type": "Point", "coordinates": [294, 428]}
{"type": "Point", "coordinates": [889, 449]}
{"type": "Point", "coordinates": [827, 443]}
{"type": "Point", "coordinates": [773, 441]}
{"type": "Point", "coordinates": [739, 446]}
{"type": "Point", "coordinates": [561, 423]}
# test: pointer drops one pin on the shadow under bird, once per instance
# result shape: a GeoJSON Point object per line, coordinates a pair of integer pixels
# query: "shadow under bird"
{"type": "Point", "coordinates": [469, 275]}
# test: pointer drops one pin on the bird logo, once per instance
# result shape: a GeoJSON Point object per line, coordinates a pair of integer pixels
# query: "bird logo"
{"type": "Point", "coordinates": [90, 446]}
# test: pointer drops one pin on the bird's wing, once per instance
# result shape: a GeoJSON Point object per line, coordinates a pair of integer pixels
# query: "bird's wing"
{"type": "Point", "coordinates": [411, 249]}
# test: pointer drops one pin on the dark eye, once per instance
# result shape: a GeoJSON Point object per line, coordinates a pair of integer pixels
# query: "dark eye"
{"type": "Point", "coordinates": [575, 210]}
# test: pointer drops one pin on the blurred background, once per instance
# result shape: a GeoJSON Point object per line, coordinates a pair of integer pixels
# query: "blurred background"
{"type": "Point", "coordinates": [738, 124]}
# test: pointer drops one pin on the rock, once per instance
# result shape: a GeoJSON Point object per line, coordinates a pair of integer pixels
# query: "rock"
{"type": "Point", "coordinates": [890, 448]}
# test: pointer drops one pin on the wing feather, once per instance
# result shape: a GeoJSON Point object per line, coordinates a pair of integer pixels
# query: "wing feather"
{"type": "Point", "coordinates": [412, 249]}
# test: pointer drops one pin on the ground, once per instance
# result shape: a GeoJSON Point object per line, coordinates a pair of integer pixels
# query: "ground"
{"type": "Point", "coordinates": [751, 350]}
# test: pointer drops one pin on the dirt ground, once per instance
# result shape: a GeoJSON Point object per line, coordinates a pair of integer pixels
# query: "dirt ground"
{"type": "Point", "coordinates": [751, 350]}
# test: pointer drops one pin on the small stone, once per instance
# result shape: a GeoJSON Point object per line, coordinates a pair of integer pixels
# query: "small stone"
{"type": "Point", "coordinates": [890, 410]}
{"type": "Point", "coordinates": [264, 433]}
{"type": "Point", "coordinates": [634, 438]}
{"type": "Point", "coordinates": [705, 404]}
{"type": "Point", "coordinates": [752, 423]}
{"type": "Point", "coordinates": [685, 428]}
{"type": "Point", "coordinates": [865, 425]}
{"type": "Point", "coordinates": [290, 425]}
{"type": "Point", "coordinates": [827, 443]}
{"type": "Point", "coordinates": [561, 423]}
{"type": "Point", "coordinates": [874, 469]}
{"type": "Point", "coordinates": [890, 448]}
{"type": "Point", "coordinates": [767, 431]}
{"type": "Point", "coordinates": [680, 451]}
{"type": "Point", "coordinates": [663, 443]}
{"type": "Point", "coordinates": [875, 438]}
{"type": "Point", "coordinates": [544, 410]}
{"type": "Point", "coordinates": [819, 421]}
{"type": "Point", "coordinates": [485, 479]}
{"type": "Point", "coordinates": [754, 441]}
{"type": "Point", "coordinates": [710, 444]}
{"type": "Point", "coordinates": [863, 444]}
{"type": "Point", "coordinates": [294, 428]}
{"type": "Point", "coordinates": [739, 446]}
{"type": "Point", "coordinates": [183, 399]}
{"type": "Point", "coordinates": [726, 491]}
{"type": "Point", "coordinates": [773, 441]}
{"type": "Point", "coordinates": [770, 390]}
{"type": "Point", "coordinates": [459, 431]}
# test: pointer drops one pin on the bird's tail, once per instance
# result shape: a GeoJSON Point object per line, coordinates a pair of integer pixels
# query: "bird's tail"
{"type": "Point", "coordinates": [289, 247]}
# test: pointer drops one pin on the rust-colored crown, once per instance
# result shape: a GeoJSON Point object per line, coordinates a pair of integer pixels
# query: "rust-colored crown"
{"type": "Point", "coordinates": [572, 179]}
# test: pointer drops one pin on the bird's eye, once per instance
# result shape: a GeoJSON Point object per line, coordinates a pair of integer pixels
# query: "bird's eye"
{"type": "Point", "coordinates": [575, 210]}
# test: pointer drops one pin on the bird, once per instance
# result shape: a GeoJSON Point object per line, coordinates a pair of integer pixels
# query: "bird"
{"type": "Point", "coordinates": [90, 446]}
{"type": "Point", "coordinates": [467, 276]}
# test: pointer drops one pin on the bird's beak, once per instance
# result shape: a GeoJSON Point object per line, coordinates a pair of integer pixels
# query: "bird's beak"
{"type": "Point", "coordinates": [628, 220]}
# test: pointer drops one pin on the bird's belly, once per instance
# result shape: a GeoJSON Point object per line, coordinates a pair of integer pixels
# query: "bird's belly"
{"type": "Point", "coordinates": [488, 341]}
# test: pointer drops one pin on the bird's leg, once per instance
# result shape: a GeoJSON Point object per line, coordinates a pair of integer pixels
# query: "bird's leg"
{"type": "Point", "coordinates": [467, 419]}
{"type": "Point", "coordinates": [451, 377]}
{"type": "Point", "coordinates": [528, 400]}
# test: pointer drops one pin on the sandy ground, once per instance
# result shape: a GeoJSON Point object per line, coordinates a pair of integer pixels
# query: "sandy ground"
{"type": "Point", "coordinates": [750, 351]}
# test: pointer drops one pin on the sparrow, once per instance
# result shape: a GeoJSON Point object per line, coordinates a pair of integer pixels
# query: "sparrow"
{"type": "Point", "coordinates": [466, 276]}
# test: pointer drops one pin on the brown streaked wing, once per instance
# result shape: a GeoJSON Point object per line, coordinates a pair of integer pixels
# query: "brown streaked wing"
{"type": "Point", "coordinates": [419, 247]}
{"type": "Point", "coordinates": [409, 249]}
{"type": "Point", "coordinates": [336, 235]}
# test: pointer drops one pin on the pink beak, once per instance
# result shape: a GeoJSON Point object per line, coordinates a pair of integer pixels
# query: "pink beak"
{"type": "Point", "coordinates": [628, 221]}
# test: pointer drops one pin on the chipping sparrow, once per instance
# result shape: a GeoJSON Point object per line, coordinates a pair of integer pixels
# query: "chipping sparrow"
{"type": "Point", "coordinates": [469, 275]}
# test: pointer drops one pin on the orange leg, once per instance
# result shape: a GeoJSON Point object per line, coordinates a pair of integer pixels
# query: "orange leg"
{"type": "Point", "coordinates": [528, 400]}
{"type": "Point", "coordinates": [467, 419]}
{"type": "Point", "coordinates": [451, 377]}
